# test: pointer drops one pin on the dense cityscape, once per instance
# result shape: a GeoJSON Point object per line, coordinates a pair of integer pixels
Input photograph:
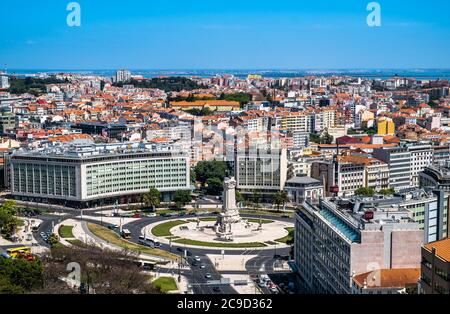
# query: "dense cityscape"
{"type": "Point", "coordinates": [224, 183]}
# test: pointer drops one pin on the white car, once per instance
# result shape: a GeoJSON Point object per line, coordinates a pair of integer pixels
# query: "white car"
{"type": "Point", "coordinates": [197, 259]}
{"type": "Point", "coordinates": [151, 215]}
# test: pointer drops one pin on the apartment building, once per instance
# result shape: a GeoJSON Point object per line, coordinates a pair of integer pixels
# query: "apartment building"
{"type": "Point", "coordinates": [333, 244]}
{"type": "Point", "coordinates": [353, 172]}
{"type": "Point", "coordinates": [88, 175]}
{"type": "Point", "coordinates": [435, 268]}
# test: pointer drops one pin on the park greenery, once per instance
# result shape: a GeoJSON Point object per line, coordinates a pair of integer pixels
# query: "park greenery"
{"type": "Point", "coordinates": [167, 84]}
{"type": "Point", "coordinates": [181, 198]}
{"type": "Point", "coordinates": [66, 232]}
{"type": "Point", "coordinates": [113, 238]}
{"type": "Point", "coordinates": [242, 98]}
{"type": "Point", "coordinates": [8, 220]}
{"type": "Point", "coordinates": [165, 284]}
{"type": "Point", "coordinates": [18, 276]}
{"type": "Point", "coordinates": [210, 175]}
{"type": "Point", "coordinates": [31, 85]}
{"type": "Point", "coordinates": [152, 198]}
{"type": "Point", "coordinates": [365, 192]}
{"type": "Point", "coordinates": [321, 139]}
{"type": "Point", "coordinates": [280, 199]}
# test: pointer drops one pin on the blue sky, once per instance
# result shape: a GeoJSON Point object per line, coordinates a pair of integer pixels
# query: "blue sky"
{"type": "Point", "coordinates": [224, 34]}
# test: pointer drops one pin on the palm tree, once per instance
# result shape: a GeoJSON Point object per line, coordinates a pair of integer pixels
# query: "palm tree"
{"type": "Point", "coordinates": [152, 198]}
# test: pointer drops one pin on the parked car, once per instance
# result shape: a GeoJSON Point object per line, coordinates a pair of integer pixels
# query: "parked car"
{"type": "Point", "coordinates": [216, 289]}
{"type": "Point", "coordinates": [202, 266]}
{"type": "Point", "coordinates": [197, 259]}
{"type": "Point", "coordinates": [208, 276]}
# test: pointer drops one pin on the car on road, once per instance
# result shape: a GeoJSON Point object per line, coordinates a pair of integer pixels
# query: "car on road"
{"type": "Point", "coordinates": [151, 215]}
{"type": "Point", "coordinates": [208, 276]}
{"type": "Point", "coordinates": [216, 289]}
{"type": "Point", "coordinates": [202, 266]}
{"type": "Point", "coordinates": [285, 216]}
{"type": "Point", "coordinates": [197, 259]}
{"type": "Point", "coordinates": [194, 263]}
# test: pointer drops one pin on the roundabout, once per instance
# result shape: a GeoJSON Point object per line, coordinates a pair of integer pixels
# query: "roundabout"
{"type": "Point", "coordinates": [227, 231]}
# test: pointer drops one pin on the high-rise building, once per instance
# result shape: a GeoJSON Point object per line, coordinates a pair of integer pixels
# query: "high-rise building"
{"type": "Point", "coordinates": [89, 175]}
{"type": "Point", "coordinates": [421, 157]}
{"type": "Point", "coordinates": [334, 244]}
{"type": "Point", "coordinates": [122, 76]}
{"type": "Point", "coordinates": [399, 162]}
{"type": "Point", "coordinates": [4, 82]}
{"type": "Point", "coordinates": [262, 171]}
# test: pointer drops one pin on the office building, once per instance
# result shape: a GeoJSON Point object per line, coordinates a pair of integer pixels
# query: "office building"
{"type": "Point", "coordinates": [399, 162]}
{"type": "Point", "coordinates": [421, 157]}
{"type": "Point", "coordinates": [435, 268]}
{"type": "Point", "coordinates": [436, 177]}
{"type": "Point", "coordinates": [264, 171]}
{"type": "Point", "coordinates": [89, 175]}
{"type": "Point", "coordinates": [122, 76]}
{"type": "Point", "coordinates": [334, 243]}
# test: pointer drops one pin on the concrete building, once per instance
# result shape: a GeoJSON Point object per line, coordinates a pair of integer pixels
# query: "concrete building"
{"type": "Point", "coordinates": [399, 162]}
{"type": "Point", "coordinates": [4, 82]}
{"type": "Point", "coordinates": [436, 177]}
{"type": "Point", "coordinates": [352, 173]}
{"type": "Point", "coordinates": [304, 188]}
{"type": "Point", "coordinates": [333, 244]}
{"type": "Point", "coordinates": [385, 126]}
{"type": "Point", "coordinates": [435, 268]}
{"type": "Point", "coordinates": [88, 175]}
{"type": "Point", "coordinates": [421, 157]}
{"type": "Point", "coordinates": [7, 121]}
{"type": "Point", "coordinates": [263, 171]}
{"type": "Point", "coordinates": [122, 76]}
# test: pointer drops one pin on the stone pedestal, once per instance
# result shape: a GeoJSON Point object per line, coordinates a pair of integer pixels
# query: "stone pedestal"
{"type": "Point", "coordinates": [230, 213]}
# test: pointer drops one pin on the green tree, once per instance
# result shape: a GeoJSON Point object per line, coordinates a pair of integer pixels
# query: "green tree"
{"type": "Point", "coordinates": [53, 239]}
{"type": "Point", "coordinates": [152, 198]}
{"type": "Point", "coordinates": [214, 186]}
{"type": "Point", "coordinates": [181, 198]}
{"type": "Point", "coordinates": [8, 221]}
{"type": "Point", "coordinates": [205, 170]}
{"type": "Point", "coordinates": [239, 197]}
{"type": "Point", "coordinates": [256, 198]}
{"type": "Point", "coordinates": [20, 275]}
{"type": "Point", "coordinates": [280, 198]}
{"type": "Point", "coordinates": [365, 192]}
{"type": "Point", "coordinates": [387, 191]}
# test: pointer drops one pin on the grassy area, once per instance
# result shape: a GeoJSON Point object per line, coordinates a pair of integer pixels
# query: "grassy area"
{"type": "Point", "coordinates": [65, 232]}
{"type": "Point", "coordinates": [163, 230]}
{"type": "Point", "coordinates": [114, 238]}
{"type": "Point", "coordinates": [289, 238]}
{"type": "Point", "coordinates": [219, 244]}
{"type": "Point", "coordinates": [20, 222]}
{"type": "Point", "coordinates": [165, 284]}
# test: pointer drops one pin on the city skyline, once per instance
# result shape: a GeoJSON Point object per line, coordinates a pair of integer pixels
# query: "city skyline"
{"type": "Point", "coordinates": [222, 35]}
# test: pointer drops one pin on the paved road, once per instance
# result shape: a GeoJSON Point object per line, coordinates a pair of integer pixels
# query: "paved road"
{"type": "Point", "coordinates": [262, 263]}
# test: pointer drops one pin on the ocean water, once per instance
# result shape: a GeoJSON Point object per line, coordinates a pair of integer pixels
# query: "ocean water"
{"type": "Point", "coordinates": [420, 74]}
